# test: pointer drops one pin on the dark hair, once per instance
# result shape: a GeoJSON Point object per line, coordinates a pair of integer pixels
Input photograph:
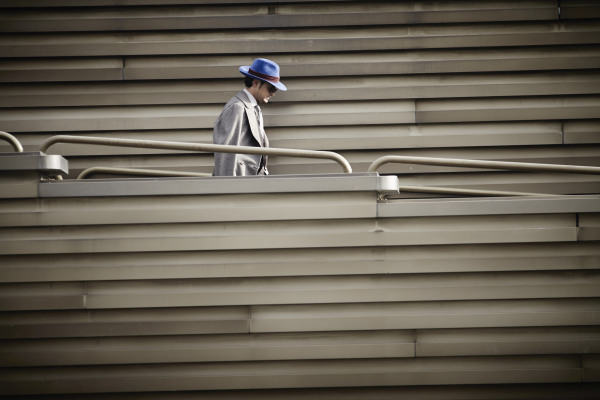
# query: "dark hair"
{"type": "Point", "coordinates": [248, 81]}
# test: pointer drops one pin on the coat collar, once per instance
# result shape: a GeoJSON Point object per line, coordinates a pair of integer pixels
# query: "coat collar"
{"type": "Point", "coordinates": [245, 98]}
{"type": "Point", "coordinates": [253, 121]}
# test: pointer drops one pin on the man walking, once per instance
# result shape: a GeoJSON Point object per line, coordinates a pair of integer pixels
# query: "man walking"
{"type": "Point", "coordinates": [241, 122]}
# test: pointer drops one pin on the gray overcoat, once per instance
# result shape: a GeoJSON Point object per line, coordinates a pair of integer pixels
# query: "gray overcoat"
{"type": "Point", "coordinates": [238, 125]}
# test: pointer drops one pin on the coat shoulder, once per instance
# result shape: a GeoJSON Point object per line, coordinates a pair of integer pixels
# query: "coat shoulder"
{"type": "Point", "coordinates": [239, 100]}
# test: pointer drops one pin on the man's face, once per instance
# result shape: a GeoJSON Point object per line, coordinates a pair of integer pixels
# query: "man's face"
{"type": "Point", "coordinates": [263, 91]}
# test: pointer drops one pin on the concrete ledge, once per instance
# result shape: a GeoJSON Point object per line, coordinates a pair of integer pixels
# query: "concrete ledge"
{"type": "Point", "coordinates": [33, 161]}
{"type": "Point", "coordinates": [222, 185]}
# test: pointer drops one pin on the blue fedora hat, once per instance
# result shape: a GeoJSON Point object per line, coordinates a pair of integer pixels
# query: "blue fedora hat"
{"type": "Point", "coordinates": [264, 70]}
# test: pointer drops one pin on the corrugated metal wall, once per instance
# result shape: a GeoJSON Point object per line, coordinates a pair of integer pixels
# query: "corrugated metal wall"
{"type": "Point", "coordinates": [296, 287]}
{"type": "Point", "coordinates": [501, 80]}
{"type": "Point", "coordinates": [303, 287]}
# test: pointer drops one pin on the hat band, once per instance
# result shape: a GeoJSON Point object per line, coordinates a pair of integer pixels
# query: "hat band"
{"type": "Point", "coordinates": [263, 76]}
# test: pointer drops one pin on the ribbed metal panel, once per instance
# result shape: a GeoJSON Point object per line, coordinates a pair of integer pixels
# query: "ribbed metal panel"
{"type": "Point", "coordinates": [249, 375]}
{"type": "Point", "coordinates": [274, 16]}
{"type": "Point", "coordinates": [282, 286]}
{"type": "Point", "coordinates": [303, 286]}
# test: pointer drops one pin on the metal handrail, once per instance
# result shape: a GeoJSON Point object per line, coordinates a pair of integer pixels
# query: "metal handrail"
{"type": "Point", "coordinates": [205, 147]}
{"type": "Point", "coordinates": [506, 165]}
{"type": "Point", "coordinates": [139, 172]}
{"type": "Point", "coordinates": [12, 140]}
{"type": "Point", "coordinates": [467, 192]}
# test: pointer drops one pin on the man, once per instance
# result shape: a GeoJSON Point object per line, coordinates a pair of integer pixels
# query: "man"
{"type": "Point", "coordinates": [241, 124]}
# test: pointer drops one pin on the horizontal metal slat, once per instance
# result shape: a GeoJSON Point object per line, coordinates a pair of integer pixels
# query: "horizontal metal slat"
{"type": "Point", "coordinates": [525, 205]}
{"type": "Point", "coordinates": [298, 290]}
{"type": "Point", "coordinates": [389, 286]}
{"type": "Point", "coordinates": [301, 318]}
{"type": "Point", "coordinates": [281, 374]}
{"type": "Point", "coordinates": [589, 226]}
{"type": "Point", "coordinates": [98, 211]}
{"type": "Point", "coordinates": [281, 41]}
{"type": "Point", "coordinates": [582, 131]}
{"type": "Point", "coordinates": [443, 86]}
{"type": "Point", "coordinates": [572, 391]}
{"type": "Point", "coordinates": [575, 9]}
{"type": "Point", "coordinates": [315, 89]}
{"type": "Point", "coordinates": [301, 262]}
{"type": "Point", "coordinates": [139, 322]}
{"type": "Point", "coordinates": [171, 209]}
{"type": "Point", "coordinates": [476, 342]}
{"type": "Point", "coordinates": [206, 348]}
{"type": "Point", "coordinates": [134, 294]}
{"type": "Point", "coordinates": [409, 136]}
{"type": "Point", "coordinates": [298, 234]}
{"type": "Point", "coordinates": [201, 116]}
{"type": "Point", "coordinates": [431, 61]}
{"type": "Point", "coordinates": [264, 16]}
{"type": "Point", "coordinates": [526, 182]}
{"type": "Point", "coordinates": [60, 70]}
{"type": "Point", "coordinates": [591, 363]}
{"type": "Point", "coordinates": [542, 108]}
{"type": "Point", "coordinates": [425, 315]}
{"type": "Point", "coordinates": [126, 3]}
{"type": "Point", "coordinates": [300, 346]}
{"type": "Point", "coordinates": [372, 63]}
{"type": "Point", "coordinates": [108, 118]}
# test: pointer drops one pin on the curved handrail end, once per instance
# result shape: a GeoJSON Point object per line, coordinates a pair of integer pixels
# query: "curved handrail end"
{"type": "Point", "coordinates": [12, 140]}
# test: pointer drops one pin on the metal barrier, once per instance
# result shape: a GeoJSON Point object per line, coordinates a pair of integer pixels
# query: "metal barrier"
{"type": "Point", "coordinates": [417, 189]}
{"type": "Point", "coordinates": [507, 165]}
{"type": "Point", "coordinates": [467, 192]}
{"type": "Point", "coordinates": [12, 140]}
{"type": "Point", "coordinates": [502, 165]}
{"type": "Point", "coordinates": [205, 147]}
{"type": "Point", "coordinates": [139, 172]}
{"type": "Point", "coordinates": [448, 162]}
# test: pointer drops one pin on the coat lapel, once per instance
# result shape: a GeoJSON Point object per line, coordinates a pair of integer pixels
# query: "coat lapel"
{"type": "Point", "coordinates": [254, 125]}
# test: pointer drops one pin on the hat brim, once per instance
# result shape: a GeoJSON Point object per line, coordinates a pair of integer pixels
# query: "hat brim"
{"type": "Point", "coordinates": [278, 85]}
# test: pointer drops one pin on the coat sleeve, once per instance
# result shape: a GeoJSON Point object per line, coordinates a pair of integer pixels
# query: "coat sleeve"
{"type": "Point", "coordinates": [232, 128]}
